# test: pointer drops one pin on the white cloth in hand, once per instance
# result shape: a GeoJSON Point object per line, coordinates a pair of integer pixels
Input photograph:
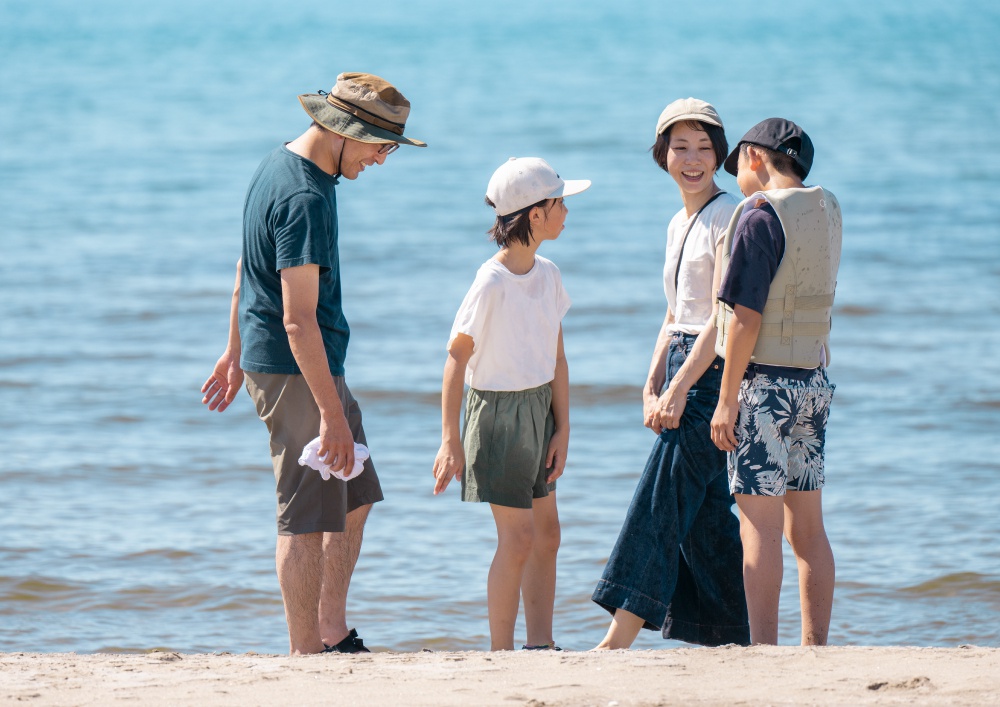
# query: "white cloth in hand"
{"type": "Point", "coordinates": [310, 458]}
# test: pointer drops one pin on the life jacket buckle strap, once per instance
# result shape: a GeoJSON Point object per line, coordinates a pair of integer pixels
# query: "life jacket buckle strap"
{"type": "Point", "coordinates": [788, 316]}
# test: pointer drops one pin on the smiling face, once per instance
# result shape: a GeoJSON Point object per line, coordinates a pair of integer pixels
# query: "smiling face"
{"type": "Point", "coordinates": [691, 159]}
{"type": "Point", "coordinates": [358, 155]}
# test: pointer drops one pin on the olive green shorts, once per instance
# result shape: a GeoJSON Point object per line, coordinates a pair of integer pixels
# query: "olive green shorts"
{"type": "Point", "coordinates": [506, 437]}
{"type": "Point", "coordinates": [307, 503]}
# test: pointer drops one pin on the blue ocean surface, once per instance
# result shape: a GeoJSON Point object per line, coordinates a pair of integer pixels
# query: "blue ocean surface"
{"type": "Point", "coordinates": [134, 519]}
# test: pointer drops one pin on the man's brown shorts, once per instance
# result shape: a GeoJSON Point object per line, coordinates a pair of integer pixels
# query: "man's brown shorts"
{"type": "Point", "coordinates": [306, 503]}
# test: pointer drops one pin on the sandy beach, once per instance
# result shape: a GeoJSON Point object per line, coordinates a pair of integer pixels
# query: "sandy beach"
{"type": "Point", "coordinates": [760, 675]}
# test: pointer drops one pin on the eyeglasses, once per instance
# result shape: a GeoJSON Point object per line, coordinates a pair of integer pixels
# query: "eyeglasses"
{"type": "Point", "coordinates": [388, 148]}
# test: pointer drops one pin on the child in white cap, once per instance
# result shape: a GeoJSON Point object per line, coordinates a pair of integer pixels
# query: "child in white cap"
{"type": "Point", "coordinates": [506, 344]}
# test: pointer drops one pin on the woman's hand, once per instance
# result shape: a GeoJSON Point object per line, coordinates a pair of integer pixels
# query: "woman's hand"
{"type": "Point", "coordinates": [670, 406]}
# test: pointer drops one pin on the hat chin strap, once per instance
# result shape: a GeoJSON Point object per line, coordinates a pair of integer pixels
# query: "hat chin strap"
{"type": "Point", "coordinates": [340, 159]}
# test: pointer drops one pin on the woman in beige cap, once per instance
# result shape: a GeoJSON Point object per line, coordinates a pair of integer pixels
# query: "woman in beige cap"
{"type": "Point", "coordinates": [677, 564]}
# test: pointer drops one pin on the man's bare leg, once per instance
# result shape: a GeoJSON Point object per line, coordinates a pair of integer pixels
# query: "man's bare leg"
{"type": "Point", "coordinates": [298, 559]}
{"type": "Point", "coordinates": [340, 555]}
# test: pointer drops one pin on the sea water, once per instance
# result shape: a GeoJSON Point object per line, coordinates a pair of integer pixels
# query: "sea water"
{"type": "Point", "coordinates": [133, 518]}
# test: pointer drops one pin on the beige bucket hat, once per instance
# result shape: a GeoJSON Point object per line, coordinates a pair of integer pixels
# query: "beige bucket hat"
{"type": "Point", "coordinates": [362, 107]}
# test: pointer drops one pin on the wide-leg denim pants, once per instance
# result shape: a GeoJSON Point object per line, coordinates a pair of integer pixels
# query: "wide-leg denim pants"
{"type": "Point", "coordinates": [678, 561]}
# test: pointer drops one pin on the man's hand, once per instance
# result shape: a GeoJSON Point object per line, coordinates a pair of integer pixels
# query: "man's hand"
{"type": "Point", "coordinates": [225, 382]}
{"type": "Point", "coordinates": [448, 465]}
{"type": "Point", "coordinates": [555, 458]}
{"type": "Point", "coordinates": [724, 426]}
{"type": "Point", "coordinates": [336, 446]}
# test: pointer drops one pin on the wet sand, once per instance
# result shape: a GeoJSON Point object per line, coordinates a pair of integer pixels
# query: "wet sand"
{"type": "Point", "coordinates": [728, 675]}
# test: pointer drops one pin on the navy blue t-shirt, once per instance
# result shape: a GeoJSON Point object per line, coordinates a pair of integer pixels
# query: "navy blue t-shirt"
{"type": "Point", "coordinates": [289, 219]}
{"type": "Point", "coordinates": [758, 247]}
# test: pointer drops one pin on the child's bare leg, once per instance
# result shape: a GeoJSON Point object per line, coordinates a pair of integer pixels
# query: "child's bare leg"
{"type": "Point", "coordinates": [624, 628]}
{"type": "Point", "coordinates": [503, 588]}
{"type": "Point", "coordinates": [761, 521]}
{"type": "Point", "coordinates": [538, 585]}
{"type": "Point", "coordinates": [807, 536]}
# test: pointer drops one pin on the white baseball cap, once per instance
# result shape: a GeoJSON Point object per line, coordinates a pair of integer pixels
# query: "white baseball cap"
{"type": "Point", "coordinates": [522, 181]}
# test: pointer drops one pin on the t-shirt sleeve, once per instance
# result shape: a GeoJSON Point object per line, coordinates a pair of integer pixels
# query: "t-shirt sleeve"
{"type": "Point", "coordinates": [563, 302]}
{"type": "Point", "coordinates": [720, 220]}
{"type": "Point", "coordinates": [758, 246]}
{"type": "Point", "coordinates": [473, 312]}
{"type": "Point", "coordinates": [302, 227]}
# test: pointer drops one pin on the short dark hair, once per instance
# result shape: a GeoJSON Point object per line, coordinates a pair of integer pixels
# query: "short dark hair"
{"type": "Point", "coordinates": [716, 134]}
{"type": "Point", "coordinates": [513, 228]}
{"type": "Point", "coordinates": [779, 160]}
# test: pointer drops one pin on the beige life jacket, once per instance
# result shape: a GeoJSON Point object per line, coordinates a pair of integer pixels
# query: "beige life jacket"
{"type": "Point", "coordinates": [795, 327]}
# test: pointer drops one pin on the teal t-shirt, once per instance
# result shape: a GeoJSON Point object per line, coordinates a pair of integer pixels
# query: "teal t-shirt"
{"type": "Point", "coordinates": [289, 219]}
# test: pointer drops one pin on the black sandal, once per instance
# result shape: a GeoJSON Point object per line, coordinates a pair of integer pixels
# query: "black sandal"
{"type": "Point", "coordinates": [351, 644]}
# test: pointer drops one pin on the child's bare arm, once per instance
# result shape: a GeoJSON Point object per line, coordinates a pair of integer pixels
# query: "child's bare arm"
{"type": "Point", "coordinates": [743, 331]}
{"type": "Point", "coordinates": [450, 458]}
{"type": "Point", "coordinates": [555, 458]}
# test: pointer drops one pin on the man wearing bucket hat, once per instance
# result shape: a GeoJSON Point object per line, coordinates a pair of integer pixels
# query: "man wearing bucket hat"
{"type": "Point", "coordinates": [289, 335]}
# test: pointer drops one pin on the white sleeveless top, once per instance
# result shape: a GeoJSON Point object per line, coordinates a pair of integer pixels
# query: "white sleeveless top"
{"type": "Point", "coordinates": [692, 306]}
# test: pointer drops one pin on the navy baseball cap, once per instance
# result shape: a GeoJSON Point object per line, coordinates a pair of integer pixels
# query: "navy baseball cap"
{"type": "Point", "coordinates": [779, 135]}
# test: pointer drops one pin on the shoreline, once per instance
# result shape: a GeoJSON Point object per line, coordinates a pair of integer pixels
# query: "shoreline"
{"type": "Point", "coordinates": [967, 675]}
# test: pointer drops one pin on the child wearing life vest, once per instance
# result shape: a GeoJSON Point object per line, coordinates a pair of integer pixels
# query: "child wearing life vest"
{"type": "Point", "coordinates": [506, 344]}
{"type": "Point", "coordinates": [779, 272]}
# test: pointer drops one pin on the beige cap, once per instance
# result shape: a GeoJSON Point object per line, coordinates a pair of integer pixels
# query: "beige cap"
{"type": "Point", "coordinates": [687, 109]}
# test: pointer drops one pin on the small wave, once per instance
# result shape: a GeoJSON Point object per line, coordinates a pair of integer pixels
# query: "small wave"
{"type": "Point", "coordinates": [209, 599]}
{"type": "Point", "coordinates": [168, 553]}
{"type": "Point", "coordinates": [201, 294]}
{"type": "Point", "coordinates": [37, 589]}
{"type": "Point", "coordinates": [15, 361]}
{"type": "Point", "coordinates": [856, 310]}
{"type": "Point", "coordinates": [588, 395]}
{"type": "Point", "coordinates": [969, 584]}
{"type": "Point", "coordinates": [125, 317]}
{"type": "Point", "coordinates": [16, 384]}
{"type": "Point", "coordinates": [122, 419]}
{"type": "Point", "coordinates": [985, 404]}
{"type": "Point", "coordinates": [377, 395]}
{"type": "Point", "coordinates": [580, 395]}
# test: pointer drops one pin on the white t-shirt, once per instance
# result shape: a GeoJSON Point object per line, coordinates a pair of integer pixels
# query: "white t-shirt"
{"type": "Point", "coordinates": [692, 307]}
{"type": "Point", "coordinates": [514, 323]}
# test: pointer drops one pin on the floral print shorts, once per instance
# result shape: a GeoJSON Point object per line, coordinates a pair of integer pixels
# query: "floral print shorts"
{"type": "Point", "coordinates": [782, 433]}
